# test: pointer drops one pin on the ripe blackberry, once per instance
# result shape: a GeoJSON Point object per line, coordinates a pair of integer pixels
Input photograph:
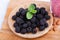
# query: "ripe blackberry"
{"type": "Point", "coordinates": [29, 29]}
{"type": "Point", "coordinates": [46, 25]}
{"type": "Point", "coordinates": [23, 31]}
{"type": "Point", "coordinates": [41, 28]}
{"type": "Point", "coordinates": [21, 9]}
{"type": "Point", "coordinates": [14, 17]}
{"type": "Point", "coordinates": [19, 20]}
{"type": "Point", "coordinates": [34, 31]}
{"type": "Point", "coordinates": [15, 24]}
{"type": "Point", "coordinates": [25, 25]}
{"type": "Point", "coordinates": [47, 17]}
{"type": "Point", "coordinates": [17, 14]}
{"type": "Point", "coordinates": [42, 21]}
{"type": "Point", "coordinates": [17, 29]}
{"type": "Point", "coordinates": [39, 16]}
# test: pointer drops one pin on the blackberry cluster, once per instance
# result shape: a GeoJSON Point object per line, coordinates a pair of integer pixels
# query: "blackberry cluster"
{"type": "Point", "coordinates": [24, 25]}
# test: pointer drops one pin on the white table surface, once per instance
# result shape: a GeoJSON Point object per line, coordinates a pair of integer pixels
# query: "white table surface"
{"type": "Point", "coordinates": [3, 8]}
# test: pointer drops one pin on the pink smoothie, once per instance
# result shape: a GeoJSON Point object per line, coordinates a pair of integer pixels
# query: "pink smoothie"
{"type": "Point", "coordinates": [56, 7]}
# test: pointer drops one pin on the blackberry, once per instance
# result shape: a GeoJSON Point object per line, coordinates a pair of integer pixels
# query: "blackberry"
{"type": "Point", "coordinates": [25, 25]}
{"type": "Point", "coordinates": [46, 25]}
{"type": "Point", "coordinates": [23, 12]}
{"type": "Point", "coordinates": [34, 31]}
{"type": "Point", "coordinates": [21, 9]}
{"type": "Point", "coordinates": [19, 20]}
{"type": "Point", "coordinates": [15, 24]}
{"type": "Point", "coordinates": [29, 29]}
{"type": "Point", "coordinates": [42, 21]}
{"type": "Point", "coordinates": [17, 14]}
{"type": "Point", "coordinates": [23, 31]}
{"type": "Point", "coordinates": [28, 23]}
{"type": "Point", "coordinates": [33, 20]}
{"type": "Point", "coordinates": [47, 17]}
{"type": "Point", "coordinates": [17, 29]}
{"type": "Point", "coordinates": [14, 17]}
{"type": "Point", "coordinates": [41, 28]}
{"type": "Point", "coordinates": [39, 16]}
{"type": "Point", "coordinates": [33, 25]}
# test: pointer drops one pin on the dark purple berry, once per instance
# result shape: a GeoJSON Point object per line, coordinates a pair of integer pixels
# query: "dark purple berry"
{"type": "Point", "coordinates": [21, 9]}
{"type": "Point", "coordinates": [19, 20]}
{"type": "Point", "coordinates": [42, 21]}
{"type": "Point", "coordinates": [23, 12]}
{"type": "Point", "coordinates": [47, 17]}
{"type": "Point", "coordinates": [39, 16]}
{"type": "Point", "coordinates": [28, 23]}
{"type": "Point", "coordinates": [25, 25]}
{"type": "Point", "coordinates": [14, 17]}
{"type": "Point", "coordinates": [17, 14]}
{"type": "Point", "coordinates": [33, 25]}
{"type": "Point", "coordinates": [33, 20]}
{"type": "Point", "coordinates": [15, 24]}
{"type": "Point", "coordinates": [37, 10]}
{"type": "Point", "coordinates": [17, 29]}
{"type": "Point", "coordinates": [29, 29]}
{"type": "Point", "coordinates": [41, 28]}
{"type": "Point", "coordinates": [23, 31]}
{"type": "Point", "coordinates": [34, 31]}
{"type": "Point", "coordinates": [46, 25]}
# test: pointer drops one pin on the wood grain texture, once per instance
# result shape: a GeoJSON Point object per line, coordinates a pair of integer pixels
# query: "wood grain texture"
{"type": "Point", "coordinates": [7, 34]}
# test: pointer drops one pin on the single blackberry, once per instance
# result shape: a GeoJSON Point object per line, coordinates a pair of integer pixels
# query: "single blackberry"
{"type": "Point", "coordinates": [46, 25]}
{"type": "Point", "coordinates": [34, 26]}
{"type": "Point", "coordinates": [41, 28]}
{"type": "Point", "coordinates": [28, 23]}
{"type": "Point", "coordinates": [15, 24]}
{"type": "Point", "coordinates": [23, 12]}
{"type": "Point", "coordinates": [23, 31]}
{"type": "Point", "coordinates": [17, 29]}
{"type": "Point", "coordinates": [19, 20]}
{"type": "Point", "coordinates": [47, 17]}
{"type": "Point", "coordinates": [33, 20]}
{"type": "Point", "coordinates": [42, 21]}
{"type": "Point", "coordinates": [34, 31]}
{"type": "Point", "coordinates": [21, 9]}
{"type": "Point", "coordinates": [17, 14]}
{"type": "Point", "coordinates": [42, 11]}
{"type": "Point", "coordinates": [14, 17]}
{"type": "Point", "coordinates": [39, 16]}
{"type": "Point", "coordinates": [25, 25]}
{"type": "Point", "coordinates": [29, 29]}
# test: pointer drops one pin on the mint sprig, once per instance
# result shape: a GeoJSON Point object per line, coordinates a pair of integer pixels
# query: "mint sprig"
{"type": "Point", "coordinates": [31, 11]}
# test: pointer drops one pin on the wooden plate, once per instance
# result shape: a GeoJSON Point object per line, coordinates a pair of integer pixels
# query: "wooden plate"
{"type": "Point", "coordinates": [38, 34]}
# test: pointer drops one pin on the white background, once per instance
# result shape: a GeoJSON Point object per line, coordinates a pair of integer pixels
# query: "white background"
{"type": "Point", "coordinates": [3, 8]}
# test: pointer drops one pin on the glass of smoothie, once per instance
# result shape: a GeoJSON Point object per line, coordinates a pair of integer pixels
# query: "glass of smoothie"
{"type": "Point", "coordinates": [55, 5]}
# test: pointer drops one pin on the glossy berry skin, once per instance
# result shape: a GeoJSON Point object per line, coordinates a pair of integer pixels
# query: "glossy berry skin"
{"type": "Point", "coordinates": [25, 25]}
{"type": "Point", "coordinates": [23, 31]}
{"type": "Point", "coordinates": [21, 9]}
{"type": "Point", "coordinates": [33, 20]}
{"type": "Point", "coordinates": [46, 25]}
{"type": "Point", "coordinates": [19, 20]}
{"type": "Point", "coordinates": [17, 29]}
{"type": "Point", "coordinates": [15, 24]}
{"type": "Point", "coordinates": [14, 17]}
{"type": "Point", "coordinates": [29, 29]}
{"type": "Point", "coordinates": [39, 16]}
{"type": "Point", "coordinates": [42, 21]}
{"type": "Point", "coordinates": [41, 28]}
{"type": "Point", "coordinates": [34, 31]}
{"type": "Point", "coordinates": [47, 17]}
{"type": "Point", "coordinates": [17, 14]}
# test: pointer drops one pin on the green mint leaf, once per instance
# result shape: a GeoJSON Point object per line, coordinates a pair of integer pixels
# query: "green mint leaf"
{"type": "Point", "coordinates": [33, 11]}
{"type": "Point", "coordinates": [31, 7]}
{"type": "Point", "coordinates": [29, 15]}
